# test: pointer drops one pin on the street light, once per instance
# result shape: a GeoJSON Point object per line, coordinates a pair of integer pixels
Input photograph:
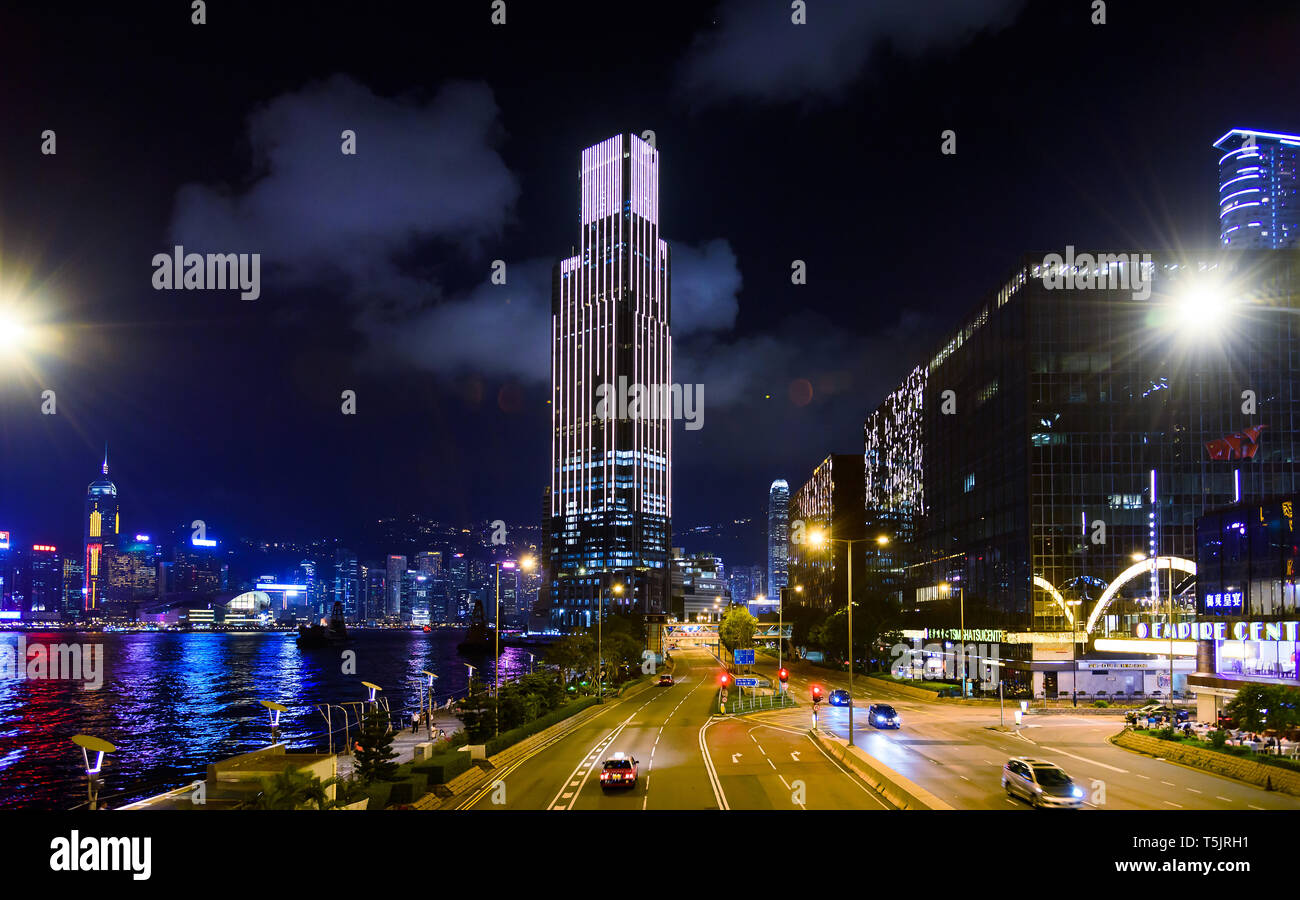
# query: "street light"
{"type": "Point", "coordinates": [961, 593]}
{"type": "Point", "coordinates": [90, 744]}
{"type": "Point", "coordinates": [821, 538]}
{"type": "Point", "coordinates": [429, 716]}
{"type": "Point", "coordinates": [527, 564]}
{"type": "Point", "coordinates": [600, 637]}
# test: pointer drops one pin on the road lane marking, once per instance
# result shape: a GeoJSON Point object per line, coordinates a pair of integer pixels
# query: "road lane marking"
{"type": "Point", "coordinates": [1087, 760]}
{"type": "Point", "coordinates": [1170, 783]}
{"type": "Point", "coordinates": [718, 793]}
{"type": "Point", "coordinates": [1194, 790]}
{"type": "Point", "coordinates": [1224, 799]}
{"type": "Point", "coordinates": [1175, 805]}
{"type": "Point", "coordinates": [1253, 806]}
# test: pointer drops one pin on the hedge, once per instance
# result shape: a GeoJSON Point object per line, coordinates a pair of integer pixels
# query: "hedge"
{"type": "Point", "coordinates": [515, 735]}
{"type": "Point", "coordinates": [443, 767]}
{"type": "Point", "coordinates": [378, 792]}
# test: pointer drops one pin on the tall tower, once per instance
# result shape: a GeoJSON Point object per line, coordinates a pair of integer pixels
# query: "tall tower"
{"type": "Point", "coordinates": [610, 502]}
{"type": "Point", "coordinates": [1259, 190]}
{"type": "Point", "coordinates": [100, 525]}
{"type": "Point", "coordinates": [778, 537]}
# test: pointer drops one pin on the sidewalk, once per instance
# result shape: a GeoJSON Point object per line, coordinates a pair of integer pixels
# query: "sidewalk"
{"type": "Point", "coordinates": [404, 742]}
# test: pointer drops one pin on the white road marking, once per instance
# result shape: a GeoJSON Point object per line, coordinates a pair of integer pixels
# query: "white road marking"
{"type": "Point", "coordinates": [1194, 790]}
{"type": "Point", "coordinates": [1175, 805]}
{"type": "Point", "coordinates": [735, 757]}
{"type": "Point", "coordinates": [1224, 799]}
{"type": "Point", "coordinates": [1253, 806]}
{"type": "Point", "coordinates": [1087, 760]}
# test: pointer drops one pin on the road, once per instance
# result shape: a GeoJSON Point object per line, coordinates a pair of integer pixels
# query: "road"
{"type": "Point", "coordinates": [957, 751]}
{"type": "Point", "coordinates": [689, 759]}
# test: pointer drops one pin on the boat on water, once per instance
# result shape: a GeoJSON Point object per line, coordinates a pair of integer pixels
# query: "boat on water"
{"type": "Point", "coordinates": [479, 639]}
{"type": "Point", "coordinates": [321, 634]}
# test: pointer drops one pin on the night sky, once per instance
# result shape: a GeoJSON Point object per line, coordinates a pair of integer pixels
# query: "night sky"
{"type": "Point", "coordinates": [817, 142]}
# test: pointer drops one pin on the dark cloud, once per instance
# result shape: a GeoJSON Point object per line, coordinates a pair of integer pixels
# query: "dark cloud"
{"type": "Point", "coordinates": [756, 53]}
{"type": "Point", "coordinates": [425, 169]}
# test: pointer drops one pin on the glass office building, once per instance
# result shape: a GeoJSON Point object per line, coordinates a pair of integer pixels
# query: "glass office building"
{"type": "Point", "coordinates": [1077, 424]}
{"type": "Point", "coordinates": [609, 508]}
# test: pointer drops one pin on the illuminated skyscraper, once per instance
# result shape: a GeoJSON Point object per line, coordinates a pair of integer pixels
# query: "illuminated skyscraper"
{"type": "Point", "coordinates": [1259, 195]}
{"type": "Point", "coordinates": [100, 524]}
{"type": "Point", "coordinates": [778, 536]}
{"type": "Point", "coordinates": [610, 509]}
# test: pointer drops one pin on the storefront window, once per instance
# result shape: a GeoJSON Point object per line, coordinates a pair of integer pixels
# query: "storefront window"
{"type": "Point", "coordinates": [1260, 659]}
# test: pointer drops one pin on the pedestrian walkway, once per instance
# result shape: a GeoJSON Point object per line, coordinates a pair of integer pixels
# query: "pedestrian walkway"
{"type": "Point", "coordinates": [405, 742]}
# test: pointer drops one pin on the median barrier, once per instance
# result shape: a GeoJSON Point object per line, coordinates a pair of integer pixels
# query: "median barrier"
{"type": "Point", "coordinates": [900, 791]}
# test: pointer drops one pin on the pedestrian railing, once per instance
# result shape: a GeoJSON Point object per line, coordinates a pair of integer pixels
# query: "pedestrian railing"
{"type": "Point", "coordinates": [755, 703]}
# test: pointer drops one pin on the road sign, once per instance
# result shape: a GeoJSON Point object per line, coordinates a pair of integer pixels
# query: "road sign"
{"type": "Point", "coordinates": [743, 657]}
{"type": "Point", "coordinates": [747, 682]}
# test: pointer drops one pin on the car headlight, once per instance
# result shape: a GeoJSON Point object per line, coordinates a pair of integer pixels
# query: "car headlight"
{"type": "Point", "coordinates": [1077, 792]}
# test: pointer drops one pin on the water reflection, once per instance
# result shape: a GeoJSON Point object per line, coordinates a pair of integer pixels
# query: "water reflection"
{"type": "Point", "coordinates": [172, 703]}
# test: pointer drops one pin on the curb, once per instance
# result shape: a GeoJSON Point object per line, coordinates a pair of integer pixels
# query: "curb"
{"type": "Point", "coordinates": [898, 790]}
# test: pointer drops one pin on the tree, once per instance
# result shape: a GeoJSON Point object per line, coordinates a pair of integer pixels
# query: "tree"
{"type": "Point", "coordinates": [572, 655]}
{"type": "Point", "coordinates": [736, 632]}
{"type": "Point", "coordinates": [292, 789]}
{"type": "Point", "coordinates": [374, 750]}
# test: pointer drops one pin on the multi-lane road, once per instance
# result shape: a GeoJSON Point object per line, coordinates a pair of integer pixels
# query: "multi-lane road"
{"type": "Point", "coordinates": [957, 752]}
{"type": "Point", "coordinates": [689, 758]}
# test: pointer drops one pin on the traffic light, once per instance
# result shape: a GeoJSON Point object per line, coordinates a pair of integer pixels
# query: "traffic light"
{"type": "Point", "coordinates": [817, 694]}
{"type": "Point", "coordinates": [722, 679]}
{"type": "Point", "coordinates": [784, 674]}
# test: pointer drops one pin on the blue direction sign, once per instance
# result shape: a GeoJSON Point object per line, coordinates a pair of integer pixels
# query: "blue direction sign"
{"type": "Point", "coordinates": [743, 657]}
{"type": "Point", "coordinates": [746, 682]}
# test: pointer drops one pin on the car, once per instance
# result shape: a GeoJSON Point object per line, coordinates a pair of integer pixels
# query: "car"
{"type": "Point", "coordinates": [839, 698]}
{"type": "Point", "coordinates": [1157, 711]}
{"type": "Point", "coordinates": [1042, 784]}
{"type": "Point", "coordinates": [665, 680]}
{"type": "Point", "coordinates": [619, 770]}
{"type": "Point", "coordinates": [882, 715]}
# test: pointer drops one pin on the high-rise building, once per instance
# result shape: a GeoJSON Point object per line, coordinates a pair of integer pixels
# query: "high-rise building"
{"type": "Point", "coordinates": [1074, 427]}
{"type": "Point", "coordinates": [429, 562]}
{"type": "Point", "coordinates": [394, 584]}
{"type": "Point", "coordinates": [100, 527]}
{"type": "Point", "coordinates": [778, 536]}
{"type": "Point", "coordinates": [1259, 190]}
{"type": "Point", "coordinates": [73, 582]}
{"type": "Point", "coordinates": [347, 584]}
{"type": "Point", "coordinates": [831, 501]}
{"type": "Point", "coordinates": [43, 594]}
{"type": "Point", "coordinates": [610, 510]}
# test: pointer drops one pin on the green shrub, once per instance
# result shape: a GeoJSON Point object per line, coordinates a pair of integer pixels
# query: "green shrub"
{"type": "Point", "coordinates": [408, 790]}
{"type": "Point", "coordinates": [515, 735]}
{"type": "Point", "coordinates": [1218, 739]}
{"type": "Point", "coordinates": [1100, 704]}
{"type": "Point", "coordinates": [444, 767]}
{"type": "Point", "coordinates": [378, 792]}
{"type": "Point", "coordinates": [1168, 733]}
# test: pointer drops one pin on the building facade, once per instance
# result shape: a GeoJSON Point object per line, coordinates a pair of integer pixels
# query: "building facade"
{"type": "Point", "coordinates": [829, 504]}
{"type": "Point", "coordinates": [100, 524]}
{"type": "Point", "coordinates": [778, 536]}
{"type": "Point", "coordinates": [1072, 431]}
{"type": "Point", "coordinates": [610, 499]}
{"type": "Point", "coordinates": [1259, 193]}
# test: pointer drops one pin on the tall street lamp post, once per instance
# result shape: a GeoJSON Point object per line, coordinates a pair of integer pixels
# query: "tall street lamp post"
{"type": "Point", "coordinates": [961, 634]}
{"type": "Point", "coordinates": [821, 539]}
{"type": "Point", "coordinates": [526, 564]}
{"type": "Point", "coordinates": [600, 645]}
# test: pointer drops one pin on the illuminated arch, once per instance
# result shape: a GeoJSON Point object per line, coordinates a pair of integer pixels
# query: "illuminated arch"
{"type": "Point", "coordinates": [1133, 571]}
{"type": "Point", "coordinates": [1046, 585]}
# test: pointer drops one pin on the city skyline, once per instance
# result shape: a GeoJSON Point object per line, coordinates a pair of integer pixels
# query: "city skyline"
{"type": "Point", "coordinates": [271, 428]}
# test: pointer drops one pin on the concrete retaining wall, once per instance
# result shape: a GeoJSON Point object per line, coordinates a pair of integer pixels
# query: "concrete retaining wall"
{"type": "Point", "coordinates": [902, 792]}
{"type": "Point", "coordinates": [905, 690]}
{"type": "Point", "coordinates": [1238, 767]}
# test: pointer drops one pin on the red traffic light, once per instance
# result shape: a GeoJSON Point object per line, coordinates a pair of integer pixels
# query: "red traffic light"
{"type": "Point", "coordinates": [817, 689]}
{"type": "Point", "coordinates": [722, 679]}
{"type": "Point", "coordinates": [784, 675]}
